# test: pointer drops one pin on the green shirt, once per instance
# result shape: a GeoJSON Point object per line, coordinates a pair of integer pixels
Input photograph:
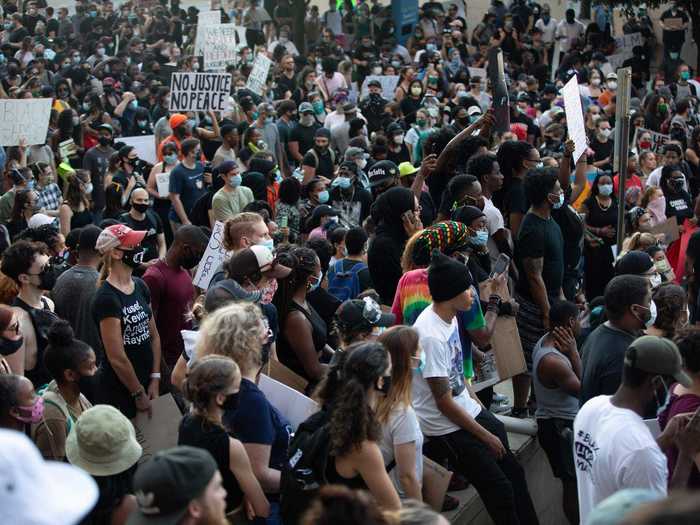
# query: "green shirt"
{"type": "Point", "coordinates": [226, 204]}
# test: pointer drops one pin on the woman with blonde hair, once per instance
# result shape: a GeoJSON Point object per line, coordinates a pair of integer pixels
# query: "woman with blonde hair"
{"type": "Point", "coordinates": [212, 386]}
{"type": "Point", "coordinates": [238, 331]}
{"type": "Point", "coordinates": [401, 439]}
{"type": "Point", "coordinates": [75, 211]}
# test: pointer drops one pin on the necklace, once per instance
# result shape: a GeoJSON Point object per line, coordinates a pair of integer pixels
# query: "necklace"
{"type": "Point", "coordinates": [602, 207]}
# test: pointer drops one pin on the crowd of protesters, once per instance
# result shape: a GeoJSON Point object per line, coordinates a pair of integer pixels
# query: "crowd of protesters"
{"type": "Point", "coordinates": [375, 240]}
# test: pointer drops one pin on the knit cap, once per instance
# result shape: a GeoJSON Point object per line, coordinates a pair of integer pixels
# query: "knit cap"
{"type": "Point", "coordinates": [447, 278]}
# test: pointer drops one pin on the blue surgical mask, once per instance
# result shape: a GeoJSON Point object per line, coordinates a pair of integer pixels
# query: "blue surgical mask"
{"type": "Point", "coordinates": [269, 120]}
{"type": "Point", "coordinates": [482, 236]}
{"type": "Point", "coordinates": [267, 243]}
{"type": "Point", "coordinates": [605, 189]}
{"type": "Point", "coordinates": [316, 284]}
{"type": "Point", "coordinates": [278, 176]}
{"type": "Point", "coordinates": [235, 181]}
{"type": "Point", "coordinates": [323, 197]}
{"type": "Point", "coordinates": [431, 47]}
{"type": "Point", "coordinates": [342, 183]}
{"type": "Point", "coordinates": [134, 104]}
{"type": "Point", "coordinates": [30, 184]}
{"type": "Point", "coordinates": [170, 159]}
{"type": "Point", "coordinates": [421, 363]}
{"type": "Point", "coordinates": [142, 123]}
{"type": "Point", "coordinates": [559, 204]}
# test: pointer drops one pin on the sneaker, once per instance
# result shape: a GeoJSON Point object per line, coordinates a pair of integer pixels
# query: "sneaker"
{"type": "Point", "coordinates": [449, 503]}
{"type": "Point", "coordinates": [499, 398]}
{"type": "Point", "coordinates": [500, 408]}
{"type": "Point", "coordinates": [520, 413]}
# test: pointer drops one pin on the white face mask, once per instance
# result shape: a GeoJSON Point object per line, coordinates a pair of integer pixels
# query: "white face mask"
{"type": "Point", "coordinates": [612, 85]}
{"type": "Point", "coordinates": [595, 82]}
{"type": "Point", "coordinates": [361, 163]}
{"type": "Point", "coordinates": [398, 139]}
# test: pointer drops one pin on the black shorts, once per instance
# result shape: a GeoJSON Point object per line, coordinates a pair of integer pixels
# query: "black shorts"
{"type": "Point", "coordinates": [556, 438]}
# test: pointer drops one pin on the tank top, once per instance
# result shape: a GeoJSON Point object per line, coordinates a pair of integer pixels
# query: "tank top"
{"type": "Point", "coordinates": [334, 478]}
{"type": "Point", "coordinates": [195, 431]}
{"type": "Point", "coordinates": [42, 319]}
{"type": "Point", "coordinates": [319, 333]}
{"type": "Point", "coordinates": [551, 402]}
{"type": "Point", "coordinates": [80, 219]}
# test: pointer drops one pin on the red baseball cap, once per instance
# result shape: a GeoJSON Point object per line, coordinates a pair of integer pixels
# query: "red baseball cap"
{"type": "Point", "coordinates": [119, 236]}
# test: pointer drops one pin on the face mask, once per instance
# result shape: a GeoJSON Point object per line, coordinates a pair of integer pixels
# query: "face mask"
{"type": "Point", "coordinates": [104, 141]}
{"type": "Point", "coordinates": [645, 144]}
{"type": "Point", "coordinates": [100, 51]}
{"type": "Point", "coordinates": [662, 266]}
{"type": "Point", "coordinates": [315, 284]}
{"type": "Point", "coordinates": [377, 70]}
{"type": "Point", "coordinates": [269, 120]}
{"type": "Point", "coordinates": [76, 60]}
{"type": "Point", "coordinates": [142, 123]}
{"type": "Point", "coordinates": [88, 188]}
{"type": "Point", "coordinates": [47, 278]}
{"type": "Point", "coordinates": [133, 258]}
{"type": "Point", "coordinates": [605, 189]}
{"type": "Point", "coordinates": [342, 183]}
{"type": "Point", "coordinates": [141, 208]}
{"type": "Point", "coordinates": [416, 91]}
{"type": "Point", "coordinates": [76, 121]}
{"type": "Point", "coordinates": [235, 181]}
{"type": "Point", "coordinates": [649, 322]}
{"type": "Point", "coordinates": [481, 238]}
{"type": "Point", "coordinates": [231, 401]}
{"type": "Point", "coordinates": [676, 184]}
{"type": "Point", "coordinates": [170, 159]}
{"type": "Point", "coordinates": [421, 122]}
{"type": "Point", "coordinates": [674, 56]}
{"type": "Point", "coordinates": [30, 184]}
{"type": "Point", "coordinates": [190, 260]}
{"type": "Point", "coordinates": [663, 107]}
{"type": "Point", "coordinates": [655, 280]}
{"type": "Point", "coordinates": [361, 163]}
{"type": "Point", "coordinates": [323, 197]}
{"type": "Point", "coordinates": [10, 346]}
{"type": "Point", "coordinates": [318, 106]}
{"type": "Point", "coordinates": [86, 383]}
{"type": "Point", "coordinates": [386, 385]}
{"type": "Point", "coordinates": [431, 48]}
{"type": "Point", "coordinates": [267, 243]}
{"type": "Point", "coordinates": [398, 139]}
{"type": "Point", "coordinates": [612, 85]}
{"type": "Point", "coordinates": [306, 120]}
{"type": "Point", "coordinates": [34, 414]}
{"type": "Point", "coordinates": [595, 82]}
{"type": "Point", "coordinates": [559, 203]}
{"type": "Point", "coordinates": [685, 75]}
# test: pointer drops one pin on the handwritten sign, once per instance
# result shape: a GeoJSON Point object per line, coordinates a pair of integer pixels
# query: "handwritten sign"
{"type": "Point", "coordinates": [160, 431]}
{"type": "Point", "coordinates": [574, 116]}
{"type": "Point", "coordinates": [258, 76]}
{"type": "Point", "coordinates": [388, 82]}
{"type": "Point", "coordinates": [658, 140]}
{"type": "Point", "coordinates": [221, 44]}
{"type": "Point", "coordinates": [667, 231]}
{"type": "Point", "coordinates": [24, 118]}
{"type": "Point", "coordinates": [199, 91]}
{"type": "Point", "coordinates": [163, 184]}
{"type": "Point", "coordinates": [144, 145]}
{"type": "Point", "coordinates": [296, 407]}
{"type": "Point", "coordinates": [204, 19]}
{"type": "Point", "coordinates": [627, 42]}
{"type": "Point", "coordinates": [67, 148]}
{"type": "Point", "coordinates": [213, 257]}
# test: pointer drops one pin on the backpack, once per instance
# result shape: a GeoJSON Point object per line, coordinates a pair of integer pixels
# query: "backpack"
{"type": "Point", "coordinates": [345, 285]}
{"type": "Point", "coordinates": [305, 472]}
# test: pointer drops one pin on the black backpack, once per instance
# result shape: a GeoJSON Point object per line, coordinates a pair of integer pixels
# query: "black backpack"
{"type": "Point", "coordinates": [305, 472]}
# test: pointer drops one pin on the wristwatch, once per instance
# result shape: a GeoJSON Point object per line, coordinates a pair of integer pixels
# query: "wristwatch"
{"type": "Point", "coordinates": [138, 393]}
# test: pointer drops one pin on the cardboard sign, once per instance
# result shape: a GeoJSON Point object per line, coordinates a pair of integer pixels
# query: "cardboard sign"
{"type": "Point", "coordinates": [199, 91]}
{"type": "Point", "coordinates": [281, 373]}
{"type": "Point", "coordinates": [674, 24]}
{"type": "Point", "coordinates": [574, 117]}
{"type": "Point", "coordinates": [478, 72]}
{"type": "Point", "coordinates": [145, 146]}
{"type": "Point", "coordinates": [658, 140]}
{"type": "Point", "coordinates": [24, 118]}
{"type": "Point", "coordinates": [213, 257]}
{"type": "Point", "coordinates": [501, 107]}
{"type": "Point", "coordinates": [204, 19]}
{"type": "Point", "coordinates": [627, 42]}
{"type": "Point", "coordinates": [160, 431]}
{"type": "Point", "coordinates": [163, 184]}
{"type": "Point", "coordinates": [67, 149]}
{"type": "Point", "coordinates": [669, 229]}
{"type": "Point", "coordinates": [507, 348]}
{"type": "Point", "coordinates": [220, 45]}
{"type": "Point", "coordinates": [258, 75]}
{"type": "Point", "coordinates": [296, 407]}
{"type": "Point", "coordinates": [436, 479]}
{"type": "Point", "coordinates": [388, 82]}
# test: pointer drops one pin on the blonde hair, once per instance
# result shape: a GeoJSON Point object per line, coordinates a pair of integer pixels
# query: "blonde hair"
{"type": "Point", "coordinates": [208, 377]}
{"type": "Point", "coordinates": [637, 241]}
{"type": "Point", "coordinates": [235, 331]}
{"type": "Point", "coordinates": [106, 267]}
{"type": "Point", "coordinates": [237, 227]}
{"type": "Point", "coordinates": [407, 263]}
{"type": "Point", "coordinates": [401, 342]}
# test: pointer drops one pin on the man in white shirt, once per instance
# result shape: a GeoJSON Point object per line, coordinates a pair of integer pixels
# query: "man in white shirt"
{"type": "Point", "coordinates": [472, 439]}
{"type": "Point", "coordinates": [547, 25]}
{"type": "Point", "coordinates": [672, 156]}
{"type": "Point", "coordinates": [332, 19]}
{"type": "Point", "coordinates": [613, 447]}
{"type": "Point", "coordinates": [569, 30]}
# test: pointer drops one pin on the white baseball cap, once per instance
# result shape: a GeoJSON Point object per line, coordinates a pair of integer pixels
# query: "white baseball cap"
{"type": "Point", "coordinates": [38, 492]}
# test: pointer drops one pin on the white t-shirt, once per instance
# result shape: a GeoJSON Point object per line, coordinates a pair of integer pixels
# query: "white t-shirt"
{"type": "Point", "coordinates": [547, 29]}
{"type": "Point", "coordinates": [654, 179]}
{"type": "Point", "coordinates": [494, 222]}
{"type": "Point", "coordinates": [443, 358]}
{"type": "Point", "coordinates": [614, 450]}
{"type": "Point", "coordinates": [401, 428]}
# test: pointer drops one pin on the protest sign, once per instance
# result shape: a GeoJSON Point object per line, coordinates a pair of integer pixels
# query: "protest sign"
{"type": "Point", "coordinates": [618, 59]}
{"type": "Point", "coordinates": [674, 24]}
{"type": "Point", "coordinates": [258, 75]}
{"type": "Point", "coordinates": [574, 117]}
{"type": "Point", "coordinates": [67, 149]}
{"type": "Point", "coordinates": [436, 480]}
{"type": "Point", "coordinates": [281, 373]}
{"type": "Point", "coordinates": [163, 184]}
{"type": "Point", "coordinates": [296, 407]}
{"type": "Point", "coordinates": [159, 432]}
{"type": "Point", "coordinates": [220, 45]}
{"type": "Point", "coordinates": [478, 72]}
{"type": "Point", "coordinates": [145, 146]}
{"type": "Point", "coordinates": [627, 42]}
{"type": "Point", "coordinates": [388, 82]}
{"type": "Point", "coordinates": [204, 19]}
{"type": "Point", "coordinates": [657, 139]}
{"type": "Point", "coordinates": [213, 257]}
{"type": "Point", "coordinates": [667, 231]}
{"type": "Point", "coordinates": [199, 91]}
{"type": "Point", "coordinates": [24, 118]}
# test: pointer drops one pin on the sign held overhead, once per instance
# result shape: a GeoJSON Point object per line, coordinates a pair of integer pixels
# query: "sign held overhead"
{"type": "Point", "coordinates": [199, 91]}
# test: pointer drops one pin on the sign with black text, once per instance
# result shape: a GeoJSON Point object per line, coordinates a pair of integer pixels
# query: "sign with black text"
{"type": "Point", "coordinates": [199, 91]}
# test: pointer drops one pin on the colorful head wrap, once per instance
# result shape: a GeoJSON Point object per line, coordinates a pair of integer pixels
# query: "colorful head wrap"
{"type": "Point", "coordinates": [447, 236]}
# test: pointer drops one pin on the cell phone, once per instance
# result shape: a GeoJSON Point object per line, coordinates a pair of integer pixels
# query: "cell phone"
{"type": "Point", "coordinates": [283, 222]}
{"type": "Point", "coordinates": [501, 265]}
{"type": "Point", "coordinates": [409, 216]}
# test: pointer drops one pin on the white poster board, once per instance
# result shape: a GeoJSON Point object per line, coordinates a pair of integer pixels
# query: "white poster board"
{"type": "Point", "coordinates": [220, 45]}
{"type": "Point", "coordinates": [24, 118]}
{"type": "Point", "coordinates": [159, 432]}
{"type": "Point", "coordinates": [296, 407]}
{"type": "Point", "coordinates": [388, 82]}
{"type": "Point", "coordinates": [574, 116]}
{"type": "Point", "coordinates": [479, 72]}
{"type": "Point", "coordinates": [258, 75]}
{"type": "Point", "coordinates": [627, 42]}
{"type": "Point", "coordinates": [163, 184]}
{"type": "Point", "coordinates": [144, 145]}
{"type": "Point", "coordinates": [199, 91]}
{"type": "Point", "coordinates": [618, 59]}
{"type": "Point", "coordinates": [204, 19]}
{"type": "Point", "coordinates": [213, 257]}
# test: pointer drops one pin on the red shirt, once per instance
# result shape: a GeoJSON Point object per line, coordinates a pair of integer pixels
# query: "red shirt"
{"type": "Point", "coordinates": [632, 181]}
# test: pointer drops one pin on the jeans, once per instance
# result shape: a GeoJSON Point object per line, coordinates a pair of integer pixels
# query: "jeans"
{"type": "Point", "coordinates": [500, 483]}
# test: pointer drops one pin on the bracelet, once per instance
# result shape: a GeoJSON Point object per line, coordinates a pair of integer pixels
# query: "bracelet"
{"type": "Point", "coordinates": [138, 393]}
{"type": "Point", "coordinates": [155, 375]}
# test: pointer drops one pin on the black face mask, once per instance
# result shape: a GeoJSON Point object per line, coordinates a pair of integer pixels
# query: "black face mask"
{"type": "Point", "coordinates": [86, 384]}
{"type": "Point", "coordinates": [386, 385]}
{"type": "Point", "coordinates": [47, 278]}
{"type": "Point", "coordinates": [133, 258]}
{"type": "Point", "coordinates": [9, 346]}
{"type": "Point", "coordinates": [141, 208]}
{"type": "Point", "coordinates": [190, 260]}
{"type": "Point", "coordinates": [105, 141]}
{"type": "Point", "coordinates": [231, 401]}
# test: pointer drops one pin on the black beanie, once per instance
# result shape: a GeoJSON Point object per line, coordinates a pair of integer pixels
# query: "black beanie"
{"type": "Point", "coordinates": [635, 262]}
{"type": "Point", "coordinates": [447, 278]}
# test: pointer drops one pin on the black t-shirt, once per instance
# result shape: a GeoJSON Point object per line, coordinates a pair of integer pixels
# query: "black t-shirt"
{"type": "Point", "coordinates": [151, 224]}
{"type": "Point", "coordinates": [540, 238]}
{"type": "Point", "coordinates": [397, 157]}
{"type": "Point", "coordinates": [134, 313]}
{"type": "Point", "coordinates": [304, 135]}
{"type": "Point", "coordinates": [679, 205]}
{"type": "Point", "coordinates": [602, 150]}
{"type": "Point", "coordinates": [603, 356]}
{"type": "Point", "coordinates": [514, 201]}
{"type": "Point", "coordinates": [18, 35]}
{"type": "Point", "coordinates": [322, 162]}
